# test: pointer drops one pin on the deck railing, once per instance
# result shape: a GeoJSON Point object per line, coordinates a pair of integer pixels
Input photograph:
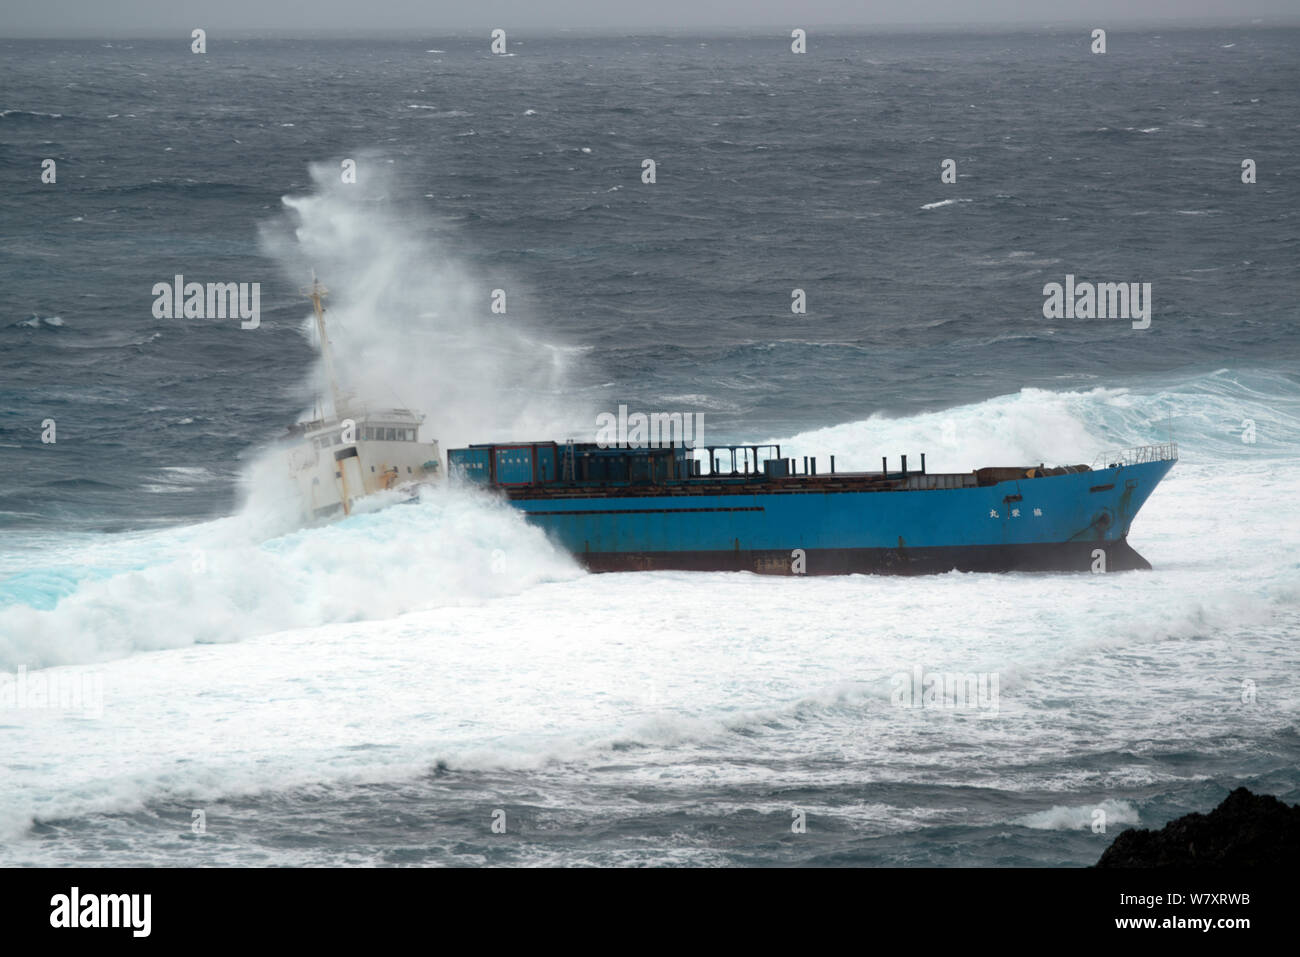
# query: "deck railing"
{"type": "Point", "coordinates": [1138, 455]}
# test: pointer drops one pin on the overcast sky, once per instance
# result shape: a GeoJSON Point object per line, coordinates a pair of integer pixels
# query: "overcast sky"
{"type": "Point", "coordinates": [434, 17]}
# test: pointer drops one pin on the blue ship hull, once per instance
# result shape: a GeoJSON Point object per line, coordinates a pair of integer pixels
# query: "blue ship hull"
{"type": "Point", "coordinates": [901, 523]}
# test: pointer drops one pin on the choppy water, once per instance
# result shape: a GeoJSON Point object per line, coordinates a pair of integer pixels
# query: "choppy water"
{"type": "Point", "coordinates": [373, 691]}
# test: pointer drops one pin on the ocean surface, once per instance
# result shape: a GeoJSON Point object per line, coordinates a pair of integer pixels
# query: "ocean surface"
{"type": "Point", "coordinates": [385, 689]}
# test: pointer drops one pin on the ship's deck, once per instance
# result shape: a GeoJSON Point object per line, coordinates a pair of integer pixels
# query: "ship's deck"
{"type": "Point", "coordinates": [794, 484]}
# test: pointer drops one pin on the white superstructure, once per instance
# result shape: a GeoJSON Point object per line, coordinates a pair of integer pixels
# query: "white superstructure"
{"type": "Point", "coordinates": [355, 450]}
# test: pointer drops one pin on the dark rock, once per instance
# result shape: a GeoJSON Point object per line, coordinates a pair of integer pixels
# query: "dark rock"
{"type": "Point", "coordinates": [1246, 830]}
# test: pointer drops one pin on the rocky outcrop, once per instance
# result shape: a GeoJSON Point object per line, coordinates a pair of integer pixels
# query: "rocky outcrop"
{"type": "Point", "coordinates": [1246, 830]}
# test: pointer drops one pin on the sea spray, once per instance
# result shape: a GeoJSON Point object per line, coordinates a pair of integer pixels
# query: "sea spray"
{"type": "Point", "coordinates": [218, 583]}
{"type": "Point", "coordinates": [411, 326]}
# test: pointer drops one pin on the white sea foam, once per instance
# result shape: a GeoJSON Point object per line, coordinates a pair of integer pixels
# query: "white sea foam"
{"type": "Point", "coordinates": [410, 325]}
{"type": "Point", "coordinates": [1108, 812]}
{"type": "Point", "coordinates": [223, 582]}
{"type": "Point", "coordinates": [450, 630]}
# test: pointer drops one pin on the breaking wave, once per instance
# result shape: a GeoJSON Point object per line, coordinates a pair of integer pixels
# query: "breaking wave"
{"type": "Point", "coordinates": [221, 581]}
{"type": "Point", "coordinates": [254, 573]}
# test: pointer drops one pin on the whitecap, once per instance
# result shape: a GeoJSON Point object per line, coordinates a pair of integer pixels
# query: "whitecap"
{"type": "Point", "coordinates": [1061, 818]}
{"type": "Point", "coordinates": [945, 202]}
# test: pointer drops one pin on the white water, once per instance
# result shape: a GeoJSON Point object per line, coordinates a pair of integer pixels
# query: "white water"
{"type": "Point", "coordinates": [411, 326]}
{"type": "Point", "coordinates": [451, 630]}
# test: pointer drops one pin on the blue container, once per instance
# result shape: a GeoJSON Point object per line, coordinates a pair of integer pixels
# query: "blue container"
{"type": "Point", "coordinates": [473, 464]}
{"type": "Point", "coordinates": [546, 456]}
{"type": "Point", "coordinates": [513, 464]}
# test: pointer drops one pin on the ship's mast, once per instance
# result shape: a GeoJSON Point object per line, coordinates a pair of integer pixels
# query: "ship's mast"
{"type": "Point", "coordinates": [316, 293]}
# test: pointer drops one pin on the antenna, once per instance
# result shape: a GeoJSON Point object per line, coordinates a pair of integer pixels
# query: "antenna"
{"type": "Point", "coordinates": [316, 292]}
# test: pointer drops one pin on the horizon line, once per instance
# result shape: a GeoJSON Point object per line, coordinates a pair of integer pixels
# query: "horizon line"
{"type": "Point", "coordinates": [749, 31]}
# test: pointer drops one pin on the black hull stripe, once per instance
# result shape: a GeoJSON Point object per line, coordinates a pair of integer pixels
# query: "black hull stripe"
{"type": "Point", "coordinates": [1063, 556]}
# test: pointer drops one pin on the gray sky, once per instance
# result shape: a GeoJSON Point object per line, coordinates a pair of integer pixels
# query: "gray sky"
{"type": "Point", "coordinates": [434, 17]}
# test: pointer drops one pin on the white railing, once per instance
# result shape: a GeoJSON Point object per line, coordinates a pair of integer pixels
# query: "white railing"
{"type": "Point", "coordinates": [1138, 455]}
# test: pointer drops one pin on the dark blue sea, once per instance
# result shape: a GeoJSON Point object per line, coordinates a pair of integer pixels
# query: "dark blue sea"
{"type": "Point", "coordinates": [384, 689]}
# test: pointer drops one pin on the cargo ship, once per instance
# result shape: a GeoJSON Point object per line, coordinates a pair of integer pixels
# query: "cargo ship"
{"type": "Point", "coordinates": [748, 508]}
{"type": "Point", "coordinates": [739, 507]}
